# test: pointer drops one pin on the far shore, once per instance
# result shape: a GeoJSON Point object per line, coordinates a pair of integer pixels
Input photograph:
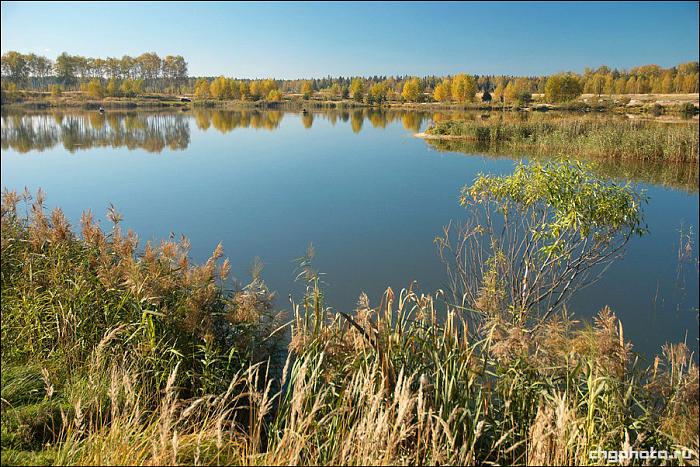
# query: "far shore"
{"type": "Point", "coordinates": [425, 135]}
{"type": "Point", "coordinates": [670, 119]}
{"type": "Point", "coordinates": [619, 104]}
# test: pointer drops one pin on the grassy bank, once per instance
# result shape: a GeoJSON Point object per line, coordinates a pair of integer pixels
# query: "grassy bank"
{"type": "Point", "coordinates": [78, 100]}
{"type": "Point", "coordinates": [676, 175]}
{"type": "Point", "coordinates": [623, 140]}
{"type": "Point", "coordinates": [641, 104]}
{"type": "Point", "coordinates": [115, 354]}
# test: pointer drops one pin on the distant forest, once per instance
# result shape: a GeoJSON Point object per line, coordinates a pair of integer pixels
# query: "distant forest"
{"type": "Point", "coordinates": [149, 73]}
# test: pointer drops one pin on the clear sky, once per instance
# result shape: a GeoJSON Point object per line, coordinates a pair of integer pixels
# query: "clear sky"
{"type": "Point", "coordinates": [299, 40]}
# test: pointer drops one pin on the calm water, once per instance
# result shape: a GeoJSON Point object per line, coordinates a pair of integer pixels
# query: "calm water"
{"type": "Point", "coordinates": [368, 195]}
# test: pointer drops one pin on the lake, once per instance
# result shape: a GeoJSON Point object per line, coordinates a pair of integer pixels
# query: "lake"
{"type": "Point", "coordinates": [356, 184]}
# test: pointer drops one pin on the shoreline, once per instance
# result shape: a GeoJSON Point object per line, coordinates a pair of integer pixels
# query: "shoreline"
{"type": "Point", "coordinates": [615, 104]}
{"type": "Point", "coordinates": [424, 135]}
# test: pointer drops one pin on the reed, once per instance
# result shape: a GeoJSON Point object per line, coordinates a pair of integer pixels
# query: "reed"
{"type": "Point", "coordinates": [620, 140]}
{"type": "Point", "coordinates": [115, 355]}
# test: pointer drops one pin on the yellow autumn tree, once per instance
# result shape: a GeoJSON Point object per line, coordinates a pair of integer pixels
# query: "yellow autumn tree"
{"type": "Point", "coordinates": [562, 87]}
{"type": "Point", "coordinates": [411, 90]}
{"type": "Point", "coordinates": [379, 92]}
{"type": "Point", "coordinates": [499, 91]}
{"type": "Point", "coordinates": [201, 88]}
{"type": "Point", "coordinates": [609, 86]}
{"type": "Point", "coordinates": [463, 88]}
{"type": "Point", "coordinates": [442, 91]}
{"type": "Point", "coordinates": [597, 84]}
{"type": "Point", "coordinates": [219, 89]}
{"type": "Point", "coordinates": [690, 83]}
{"type": "Point", "coordinates": [335, 91]}
{"type": "Point", "coordinates": [509, 93]}
{"type": "Point", "coordinates": [244, 90]}
{"type": "Point", "coordinates": [95, 89]}
{"type": "Point", "coordinates": [267, 85]}
{"type": "Point", "coordinates": [112, 88]}
{"type": "Point", "coordinates": [357, 89]}
{"type": "Point", "coordinates": [620, 84]}
{"type": "Point", "coordinates": [274, 95]}
{"type": "Point", "coordinates": [307, 89]}
{"type": "Point", "coordinates": [255, 90]}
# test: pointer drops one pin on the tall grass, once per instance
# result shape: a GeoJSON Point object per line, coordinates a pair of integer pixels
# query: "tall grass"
{"type": "Point", "coordinates": [74, 306]}
{"type": "Point", "coordinates": [677, 175]}
{"type": "Point", "coordinates": [623, 140]}
{"type": "Point", "coordinates": [112, 355]}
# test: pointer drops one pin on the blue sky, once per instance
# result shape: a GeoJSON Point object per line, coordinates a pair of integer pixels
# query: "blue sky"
{"type": "Point", "coordinates": [298, 40]}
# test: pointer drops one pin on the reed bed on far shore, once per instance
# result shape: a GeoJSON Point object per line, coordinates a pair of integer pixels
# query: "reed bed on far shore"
{"type": "Point", "coordinates": [616, 139]}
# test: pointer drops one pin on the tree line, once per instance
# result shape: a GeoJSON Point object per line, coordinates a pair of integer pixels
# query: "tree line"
{"type": "Point", "coordinates": [37, 72]}
{"type": "Point", "coordinates": [461, 88]}
{"type": "Point", "coordinates": [130, 76]}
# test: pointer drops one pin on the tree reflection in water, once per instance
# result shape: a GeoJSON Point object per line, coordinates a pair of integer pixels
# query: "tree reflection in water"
{"type": "Point", "coordinates": [152, 132]}
{"type": "Point", "coordinates": [25, 131]}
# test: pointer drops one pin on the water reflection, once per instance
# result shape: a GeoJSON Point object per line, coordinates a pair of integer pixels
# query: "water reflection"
{"type": "Point", "coordinates": [243, 201]}
{"type": "Point", "coordinates": [674, 175]}
{"type": "Point", "coordinates": [153, 132]}
{"type": "Point", "coordinates": [308, 120]}
{"type": "Point", "coordinates": [80, 131]}
{"type": "Point", "coordinates": [226, 121]}
{"type": "Point", "coordinates": [25, 131]}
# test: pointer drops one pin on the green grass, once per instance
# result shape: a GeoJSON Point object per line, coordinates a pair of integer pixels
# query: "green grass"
{"type": "Point", "coordinates": [620, 140]}
{"type": "Point", "coordinates": [677, 175]}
